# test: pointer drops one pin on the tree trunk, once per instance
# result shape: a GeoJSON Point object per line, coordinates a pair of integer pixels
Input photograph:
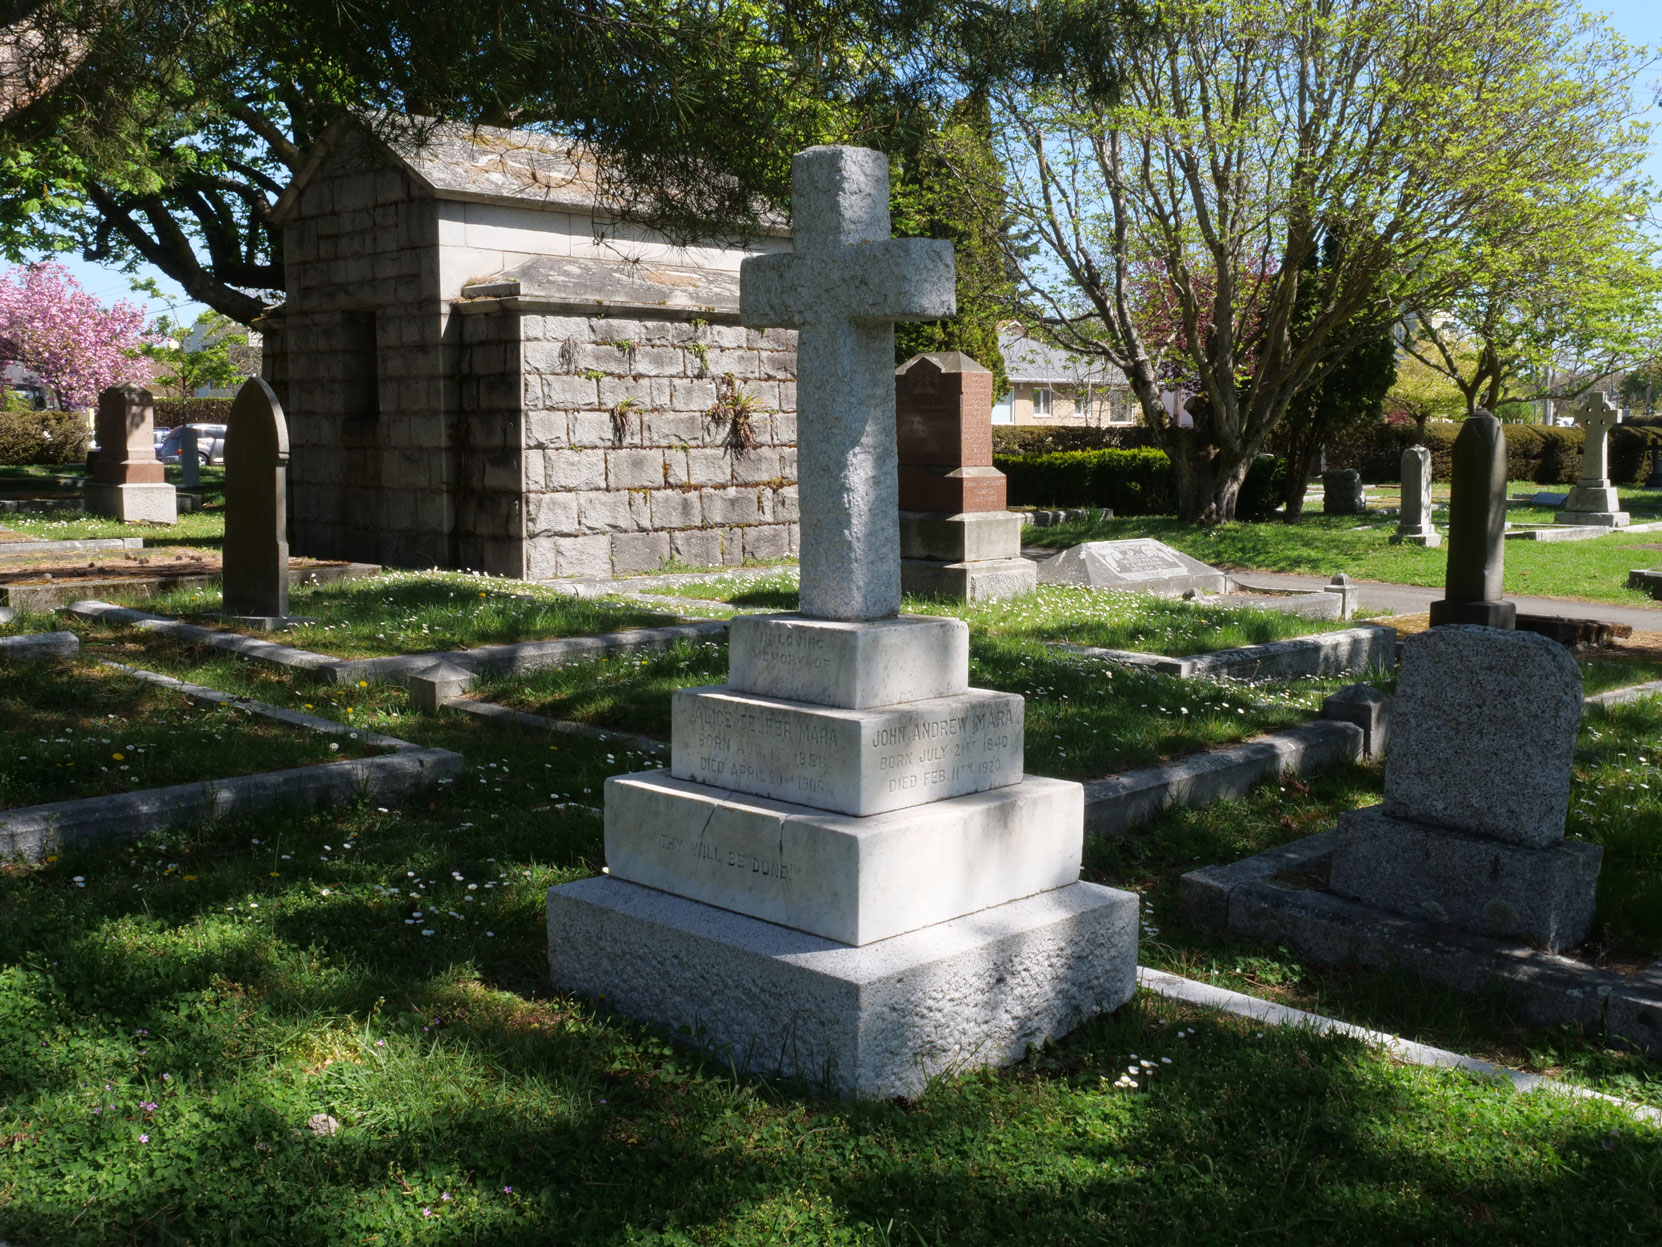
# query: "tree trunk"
{"type": "Point", "coordinates": [1208, 481]}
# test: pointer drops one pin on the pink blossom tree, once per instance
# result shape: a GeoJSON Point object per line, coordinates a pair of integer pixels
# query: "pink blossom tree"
{"type": "Point", "coordinates": [53, 327]}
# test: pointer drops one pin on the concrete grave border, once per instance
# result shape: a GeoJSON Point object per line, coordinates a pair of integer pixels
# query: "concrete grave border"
{"type": "Point", "coordinates": [523, 655]}
{"type": "Point", "coordinates": [516, 656]}
{"type": "Point", "coordinates": [1117, 803]}
{"type": "Point", "coordinates": [1207, 996]}
{"type": "Point", "coordinates": [1341, 652]}
{"type": "Point", "coordinates": [1251, 898]}
{"type": "Point", "coordinates": [34, 831]}
{"type": "Point", "coordinates": [56, 594]}
{"type": "Point", "coordinates": [10, 549]}
{"type": "Point", "coordinates": [39, 645]}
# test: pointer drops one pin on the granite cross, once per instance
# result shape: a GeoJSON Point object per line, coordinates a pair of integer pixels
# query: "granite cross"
{"type": "Point", "coordinates": [1597, 415]}
{"type": "Point", "coordinates": [843, 288]}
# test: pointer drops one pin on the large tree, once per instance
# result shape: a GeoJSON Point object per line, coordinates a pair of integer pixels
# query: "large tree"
{"type": "Point", "coordinates": [1551, 317]}
{"type": "Point", "coordinates": [164, 130]}
{"type": "Point", "coordinates": [1220, 141]}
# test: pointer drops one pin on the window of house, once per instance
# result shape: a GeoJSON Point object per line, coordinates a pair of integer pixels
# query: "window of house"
{"type": "Point", "coordinates": [1043, 403]}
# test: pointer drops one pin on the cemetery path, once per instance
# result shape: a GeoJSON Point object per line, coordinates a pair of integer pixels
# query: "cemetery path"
{"type": "Point", "coordinates": [1416, 599]}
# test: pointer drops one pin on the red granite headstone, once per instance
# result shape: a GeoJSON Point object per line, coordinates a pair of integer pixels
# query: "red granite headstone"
{"type": "Point", "coordinates": [126, 438]}
{"type": "Point", "coordinates": [944, 430]}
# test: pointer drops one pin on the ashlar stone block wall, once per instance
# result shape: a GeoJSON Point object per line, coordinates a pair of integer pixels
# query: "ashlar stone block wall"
{"type": "Point", "coordinates": [364, 361]}
{"type": "Point", "coordinates": [589, 448]}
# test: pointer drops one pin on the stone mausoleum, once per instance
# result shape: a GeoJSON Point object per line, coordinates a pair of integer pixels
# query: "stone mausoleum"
{"type": "Point", "coordinates": [483, 367]}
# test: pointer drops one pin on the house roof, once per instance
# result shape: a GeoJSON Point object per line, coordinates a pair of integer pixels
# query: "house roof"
{"type": "Point", "coordinates": [1028, 360]}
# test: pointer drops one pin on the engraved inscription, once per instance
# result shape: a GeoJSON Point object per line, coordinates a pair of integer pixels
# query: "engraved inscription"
{"type": "Point", "coordinates": [1139, 560]}
{"type": "Point", "coordinates": [704, 851]}
{"type": "Point", "coordinates": [781, 653]}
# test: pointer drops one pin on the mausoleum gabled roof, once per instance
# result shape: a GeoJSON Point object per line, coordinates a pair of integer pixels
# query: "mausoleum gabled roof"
{"type": "Point", "coordinates": [580, 286]}
{"type": "Point", "coordinates": [482, 164]}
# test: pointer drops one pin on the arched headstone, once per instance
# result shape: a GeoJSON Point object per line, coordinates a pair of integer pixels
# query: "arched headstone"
{"type": "Point", "coordinates": [256, 580]}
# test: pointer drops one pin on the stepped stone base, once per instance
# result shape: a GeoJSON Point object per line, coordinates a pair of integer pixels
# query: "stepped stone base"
{"type": "Point", "coordinates": [855, 666]}
{"type": "Point", "coordinates": [969, 582]}
{"type": "Point", "coordinates": [132, 504]}
{"type": "Point", "coordinates": [1428, 537]}
{"type": "Point", "coordinates": [970, 537]}
{"type": "Point", "coordinates": [873, 1022]}
{"type": "Point", "coordinates": [850, 761]}
{"type": "Point", "coordinates": [1594, 519]}
{"type": "Point", "coordinates": [1489, 887]}
{"type": "Point", "coordinates": [1596, 503]}
{"type": "Point", "coordinates": [855, 880]}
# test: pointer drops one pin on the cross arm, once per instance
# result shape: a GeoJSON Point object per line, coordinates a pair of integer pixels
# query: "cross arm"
{"type": "Point", "coordinates": [884, 280]}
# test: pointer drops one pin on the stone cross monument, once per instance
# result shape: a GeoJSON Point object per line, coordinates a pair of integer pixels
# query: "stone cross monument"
{"type": "Point", "coordinates": [845, 874]}
{"type": "Point", "coordinates": [128, 482]}
{"type": "Point", "coordinates": [1477, 530]}
{"type": "Point", "coordinates": [256, 578]}
{"type": "Point", "coordinates": [1594, 499]}
{"type": "Point", "coordinates": [843, 288]}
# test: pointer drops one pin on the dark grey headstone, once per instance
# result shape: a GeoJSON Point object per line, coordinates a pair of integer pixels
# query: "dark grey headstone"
{"type": "Point", "coordinates": [1484, 734]}
{"type": "Point", "coordinates": [1476, 529]}
{"type": "Point", "coordinates": [256, 577]}
{"type": "Point", "coordinates": [1342, 492]}
{"type": "Point", "coordinates": [190, 467]}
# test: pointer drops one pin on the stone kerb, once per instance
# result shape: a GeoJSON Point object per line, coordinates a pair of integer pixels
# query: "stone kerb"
{"type": "Point", "coordinates": [647, 440]}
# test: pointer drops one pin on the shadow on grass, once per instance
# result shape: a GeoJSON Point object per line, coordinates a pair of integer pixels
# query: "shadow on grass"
{"type": "Point", "coordinates": [248, 975]}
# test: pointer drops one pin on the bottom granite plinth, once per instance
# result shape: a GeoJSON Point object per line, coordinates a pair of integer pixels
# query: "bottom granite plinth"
{"type": "Point", "coordinates": [969, 582]}
{"type": "Point", "coordinates": [147, 502]}
{"type": "Point", "coordinates": [1486, 886]}
{"type": "Point", "coordinates": [873, 1022]}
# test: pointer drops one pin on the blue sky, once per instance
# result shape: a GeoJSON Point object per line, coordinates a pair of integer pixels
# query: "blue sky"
{"type": "Point", "coordinates": [1640, 21]}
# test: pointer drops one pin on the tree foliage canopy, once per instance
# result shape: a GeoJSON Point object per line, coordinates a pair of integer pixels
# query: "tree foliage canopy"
{"type": "Point", "coordinates": [1220, 141]}
{"type": "Point", "coordinates": [163, 131]}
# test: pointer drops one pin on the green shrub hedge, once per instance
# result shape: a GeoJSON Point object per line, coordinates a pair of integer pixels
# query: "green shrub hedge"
{"type": "Point", "coordinates": [49, 437]}
{"type": "Point", "coordinates": [1544, 454]}
{"type": "Point", "coordinates": [1027, 439]}
{"type": "Point", "coordinates": [172, 412]}
{"type": "Point", "coordinates": [1130, 482]}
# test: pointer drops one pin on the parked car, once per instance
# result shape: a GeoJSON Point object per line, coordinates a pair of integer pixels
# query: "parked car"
{"type": "Point", "coordinates": [210, 443]}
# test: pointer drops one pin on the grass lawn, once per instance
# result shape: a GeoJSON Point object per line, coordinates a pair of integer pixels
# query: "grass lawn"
{"type": "Point", "coordinates": [168, 1031]}
{"type": "Point", "coordinates": [1130, 621]}
{"type": "Point", "coordinates": [76, 729]}
{"type": "Point", "coordinates": [411, 612]}
{"type": "Point", "coordinates": [196, 528]}
{"type": "Point", "coordinates": [1134, 719]}
{"type": "Point", "coordinates": [1324, 544]}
